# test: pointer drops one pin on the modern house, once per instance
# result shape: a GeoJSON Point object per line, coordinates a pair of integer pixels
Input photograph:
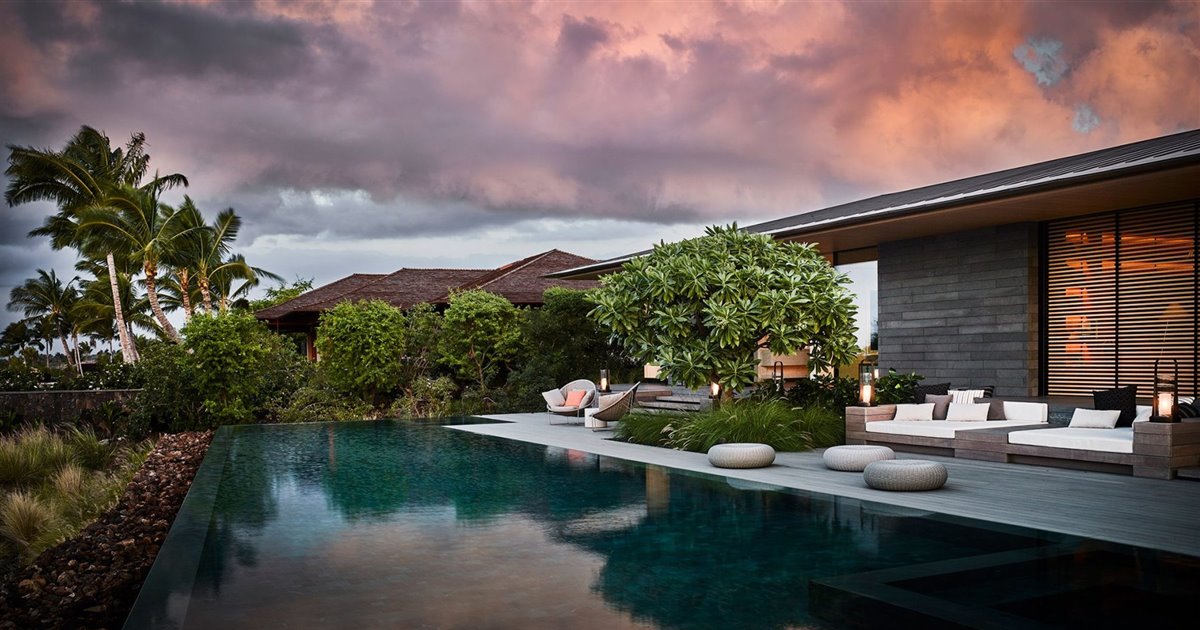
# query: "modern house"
{"type": "Point", "coordinates": [522, 282]}
{"type": "Point", "coordinates": [1053, 279]}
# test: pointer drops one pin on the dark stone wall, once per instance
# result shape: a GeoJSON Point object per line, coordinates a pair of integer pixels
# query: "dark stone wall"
{"type": "Point", "coordinates": [63, 406]}
{"type": "Point", "coordinates": [963, 308]}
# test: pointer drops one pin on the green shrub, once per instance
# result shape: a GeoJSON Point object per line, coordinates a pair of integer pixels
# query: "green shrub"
{"type": "Point", "coordinates": [170, 399]}
{"type": "Point", "coordinates": [828, 392]}
{"type": "Point", "coordinates": [429, 398]}
{"type": "Point", "coordinates": [651, 429]}
{"type": "Point", "coordinates": [764, 423]}
{"type": "Point", "coordinates": [480, 337]}
{"type": "Point", "coordinates": [231, 357]}
{"type": "Point", "coordinates": [362, 349]}
{"type": "Point", "coordinates": [824, 427]}
{"type": "Point", "coordinates": [319, 403]}
{"type": "Point", "coordinates": [894, 387]}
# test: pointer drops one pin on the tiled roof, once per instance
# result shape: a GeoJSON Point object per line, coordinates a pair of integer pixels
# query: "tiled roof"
{"type": "Point", "coordinates": [332, 292]}
{"type": "Point", "coordinates": [521, 282]}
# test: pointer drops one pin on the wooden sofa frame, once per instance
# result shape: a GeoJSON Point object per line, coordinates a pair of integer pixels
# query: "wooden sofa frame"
{"type": "Point", "coordinates": [1160, 449]}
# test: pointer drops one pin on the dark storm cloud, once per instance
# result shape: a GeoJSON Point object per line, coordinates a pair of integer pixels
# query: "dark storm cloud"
{"type": "Point", "coordinates": [578, 38]}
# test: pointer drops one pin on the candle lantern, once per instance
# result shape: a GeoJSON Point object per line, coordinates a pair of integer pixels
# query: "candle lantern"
{"type": "Point", "coordinates": [714, 390]}
{"type": "Point", "coordinates": [866, 382]}
{"type": "Point", "coordinates": [1165, 403]}
{"type": "Point", "coordinates": [777, 376]}
{"type": "Point", "coordinates": [604, 388]}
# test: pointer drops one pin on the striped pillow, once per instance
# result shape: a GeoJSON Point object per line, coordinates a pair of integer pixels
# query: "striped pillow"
{"type": "Point", "coordinates": [966, 396]}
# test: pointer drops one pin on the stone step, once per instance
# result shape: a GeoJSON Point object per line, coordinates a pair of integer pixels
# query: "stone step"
{"type": "Point", "coordinates": [672, 406]}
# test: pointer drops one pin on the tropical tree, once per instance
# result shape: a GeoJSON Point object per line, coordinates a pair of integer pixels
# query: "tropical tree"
{"type": "Point", "coordinates": [80, 175]}
{"type": "Point", "coordinates": [480, 335]}
{"type": "Point", "coordinates": [49, 300]}
{"type": "Point", "coordinates": [205, 257]}
{"type": "Point", "coordinates": [134, 222]}
{"type": "Point", "coordinates": [95, 314]}
{"type": "Point", "coordinates": [702, 308]}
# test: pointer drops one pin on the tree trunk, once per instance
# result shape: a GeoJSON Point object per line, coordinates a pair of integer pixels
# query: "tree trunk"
{"type": "Point", "coordinates": [137, 356]}
{"type": "Point", "coordinates": [78, 357]}
{"type": "Point", "coordinates": [62, 336]}
{"type": "Point", "coordinates": [184, 291]}
{"type": "Point", "coordinates": [206, 294]}
{"type": "Point", "coordinates": [152, 293]}
{"type": "Point", "coordinates": [127, 353]}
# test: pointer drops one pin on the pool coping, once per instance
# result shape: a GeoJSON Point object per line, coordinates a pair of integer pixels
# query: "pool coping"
{"type": "Point", "coordinates": [182, 548]}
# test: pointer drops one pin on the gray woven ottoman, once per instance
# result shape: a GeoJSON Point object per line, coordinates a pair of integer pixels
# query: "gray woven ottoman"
{"type": "Point", "coordinates": [855, 457]}
{"type": "Point", "coordinates": [741, 455]}
{"type": "Point", "coordinates": [905, 475]}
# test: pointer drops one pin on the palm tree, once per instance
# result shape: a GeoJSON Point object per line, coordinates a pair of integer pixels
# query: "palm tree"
{"type": "Point", "coordinates": [47, 299]}
{"type": "Point", "coordinates": [95, 311]}
{"type": "Point", "coordinates": [85, 171]}
{"type": "Point", "coordinates": [134, 222]}
{"type": "Point", "coordinates": [234, 269]}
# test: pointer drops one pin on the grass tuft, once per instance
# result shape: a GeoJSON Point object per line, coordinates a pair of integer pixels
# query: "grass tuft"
{"type": "Point", "coordinates": [773, 422]}
{"type": "Point", "coordinates": [26, 522]}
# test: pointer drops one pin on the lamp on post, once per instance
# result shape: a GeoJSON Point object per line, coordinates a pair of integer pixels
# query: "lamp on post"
{"type": "Point", "coordinates": [777, 376]}
{"type": "Point", "coordinates": [1165, 404]}
{"type": "Point", "coordinates": [866, 382]}
{"type": "Point", "coordinates": [604, 389]}
{"type": "Point", "coordinates": [714, 390]}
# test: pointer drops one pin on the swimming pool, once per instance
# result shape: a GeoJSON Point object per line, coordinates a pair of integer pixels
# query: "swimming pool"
{"type": "Point", "coordinates": [402, 524]}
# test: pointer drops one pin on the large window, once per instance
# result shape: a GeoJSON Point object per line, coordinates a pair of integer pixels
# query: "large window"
{"type": "Point", "coordinates": [862, 267]}
{"type": "Point", "coordinates": [1121, 292]}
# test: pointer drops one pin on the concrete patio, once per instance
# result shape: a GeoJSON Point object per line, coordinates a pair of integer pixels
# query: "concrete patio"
{"type": "Point", "coordinates": [1140, 512]}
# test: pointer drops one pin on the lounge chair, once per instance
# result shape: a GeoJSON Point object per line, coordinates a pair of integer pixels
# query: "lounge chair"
{"type": "Point", "coordinates": [612, 408]}
{"type": "Point", "coordinates": [561, 402]}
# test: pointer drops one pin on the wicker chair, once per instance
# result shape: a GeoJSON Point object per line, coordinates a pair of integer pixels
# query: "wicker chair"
{"type": "Point", "coordinates": [556, 399]}
{"type": "Point", "coordinates": [614, 406]}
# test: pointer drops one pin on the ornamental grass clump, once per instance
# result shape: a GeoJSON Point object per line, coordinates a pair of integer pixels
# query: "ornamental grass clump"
{"type": "Point", "coordinates": [774, 424]}
{"type": "Point", "coordinates": [52, 486]}
{"type": "Point", "coordinates": [651, 429]}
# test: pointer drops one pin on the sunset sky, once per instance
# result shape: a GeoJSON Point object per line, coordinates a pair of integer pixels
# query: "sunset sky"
{"type": "Point", "coordinates": [363, 137]}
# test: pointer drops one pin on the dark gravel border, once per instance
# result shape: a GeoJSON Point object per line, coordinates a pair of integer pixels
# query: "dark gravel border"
{"type": "Point", "coordinates": [92, 580]}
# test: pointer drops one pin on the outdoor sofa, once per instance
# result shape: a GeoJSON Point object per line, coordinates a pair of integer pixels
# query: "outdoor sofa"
{"type": "Point", "coordinates": [1146, 449]}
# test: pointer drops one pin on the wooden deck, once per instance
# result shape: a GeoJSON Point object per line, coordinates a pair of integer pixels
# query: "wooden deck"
{"type": "Point", "coordinates": [1150, 513]}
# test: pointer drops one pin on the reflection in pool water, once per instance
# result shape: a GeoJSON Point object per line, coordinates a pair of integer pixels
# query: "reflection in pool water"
{"type": "Point", "coordinates": [398, 524]}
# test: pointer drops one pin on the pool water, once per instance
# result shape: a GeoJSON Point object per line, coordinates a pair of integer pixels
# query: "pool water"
{"type": "Point", "coordinates": [399, 524]}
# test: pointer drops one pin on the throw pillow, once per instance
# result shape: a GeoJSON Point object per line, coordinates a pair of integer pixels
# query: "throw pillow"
{"type": "Point", "coordinates": [923, 411]}
{"type": "Point", "coordinates": [968, 412]}
{"type": "Point", "coordinates": [607, 400]}
{"type": "Point", "coordinates": [1123, 399]}
{"type": "Point", "coordinates": [1188, 410]}
{"type": "Point", "coordinates": [920, 391]}
{"type": "Point", "coordinates": [940, 404]}
{"type": "Point", "coordinates": [966, 396]}
{"type": "Point", "coordinates": [1095, 418]}
{"type": "Point", "coordinates": [574, 397]}
{"type": "Point", "coordinates": [995, 408]}
{"type": "Point", "coordinates": [554, 398]}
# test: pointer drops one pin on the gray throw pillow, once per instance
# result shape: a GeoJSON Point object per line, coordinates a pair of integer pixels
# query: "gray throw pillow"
{"type": "Point", "coordinates": [996, 411]}
{"type": "Point", "coordinates": [941, 404]}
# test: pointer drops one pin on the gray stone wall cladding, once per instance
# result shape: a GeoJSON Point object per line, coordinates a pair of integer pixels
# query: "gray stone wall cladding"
{"type": "Point", "coordinates": [963, 308]}
{"type": "Point", "coordinates": [62, 406]}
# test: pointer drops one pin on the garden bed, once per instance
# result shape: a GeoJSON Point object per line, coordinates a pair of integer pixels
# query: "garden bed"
{"type": "Point", "coordinates": [92, 580]}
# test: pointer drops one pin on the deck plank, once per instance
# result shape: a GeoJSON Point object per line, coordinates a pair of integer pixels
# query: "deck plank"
{"type": "Point", "coordinates": [1149, 513]}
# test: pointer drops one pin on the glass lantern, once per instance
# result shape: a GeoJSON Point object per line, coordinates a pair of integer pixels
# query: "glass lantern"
{"type": "Point", "coordinates": [1165, 403]}
{"type": "Point", "coordinates": [866, 382]}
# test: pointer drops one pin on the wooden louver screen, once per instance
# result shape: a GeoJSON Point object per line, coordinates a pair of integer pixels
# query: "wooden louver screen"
{"type": "Point", "coordinates": [1121, 292]}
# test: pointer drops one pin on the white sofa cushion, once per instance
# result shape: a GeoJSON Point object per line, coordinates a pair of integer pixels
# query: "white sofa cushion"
{"type": "Point", "coordinates": [1026, 411]}
{"type": "Point", "coordinates": [939, 428]}
{"type": "Point", "coordinates": [1119, 440]}
{"type": "Point", "coordinates": [965, 396]}
{"type": "Point", "coordinates": [968, 412]}
{"type": "Point", "coordinates": [916, 412]}
{"type": "Point", "coordinates": [1095, 418]}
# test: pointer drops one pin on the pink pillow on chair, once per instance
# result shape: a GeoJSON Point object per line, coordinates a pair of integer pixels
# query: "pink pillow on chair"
{"type": "Point", "coordinates": [574, 397]}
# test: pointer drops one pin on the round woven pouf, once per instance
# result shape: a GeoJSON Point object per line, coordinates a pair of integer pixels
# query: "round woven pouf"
{"type": "Point", "coordinates": [855, 457]}
{"type": "Point", "coordinates": [741, 455]}
{"type": "Point", "coordinates": [905, 475]}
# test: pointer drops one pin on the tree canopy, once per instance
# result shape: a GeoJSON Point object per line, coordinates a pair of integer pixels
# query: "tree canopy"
{"type": "Point", "coordinates": [702, 308]}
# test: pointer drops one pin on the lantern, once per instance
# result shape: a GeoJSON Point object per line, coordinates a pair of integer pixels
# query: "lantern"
{"type": "Point", "coordinates": [866, 382]}
{"type": "Point", "coordinates": [1164, 405]}
{"type": "Point", "coordinates": [777, 376]}
{"type": "Point", "coordinates": [715, 390]}
{"type": "Point", "coordinates": [604, 382]}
